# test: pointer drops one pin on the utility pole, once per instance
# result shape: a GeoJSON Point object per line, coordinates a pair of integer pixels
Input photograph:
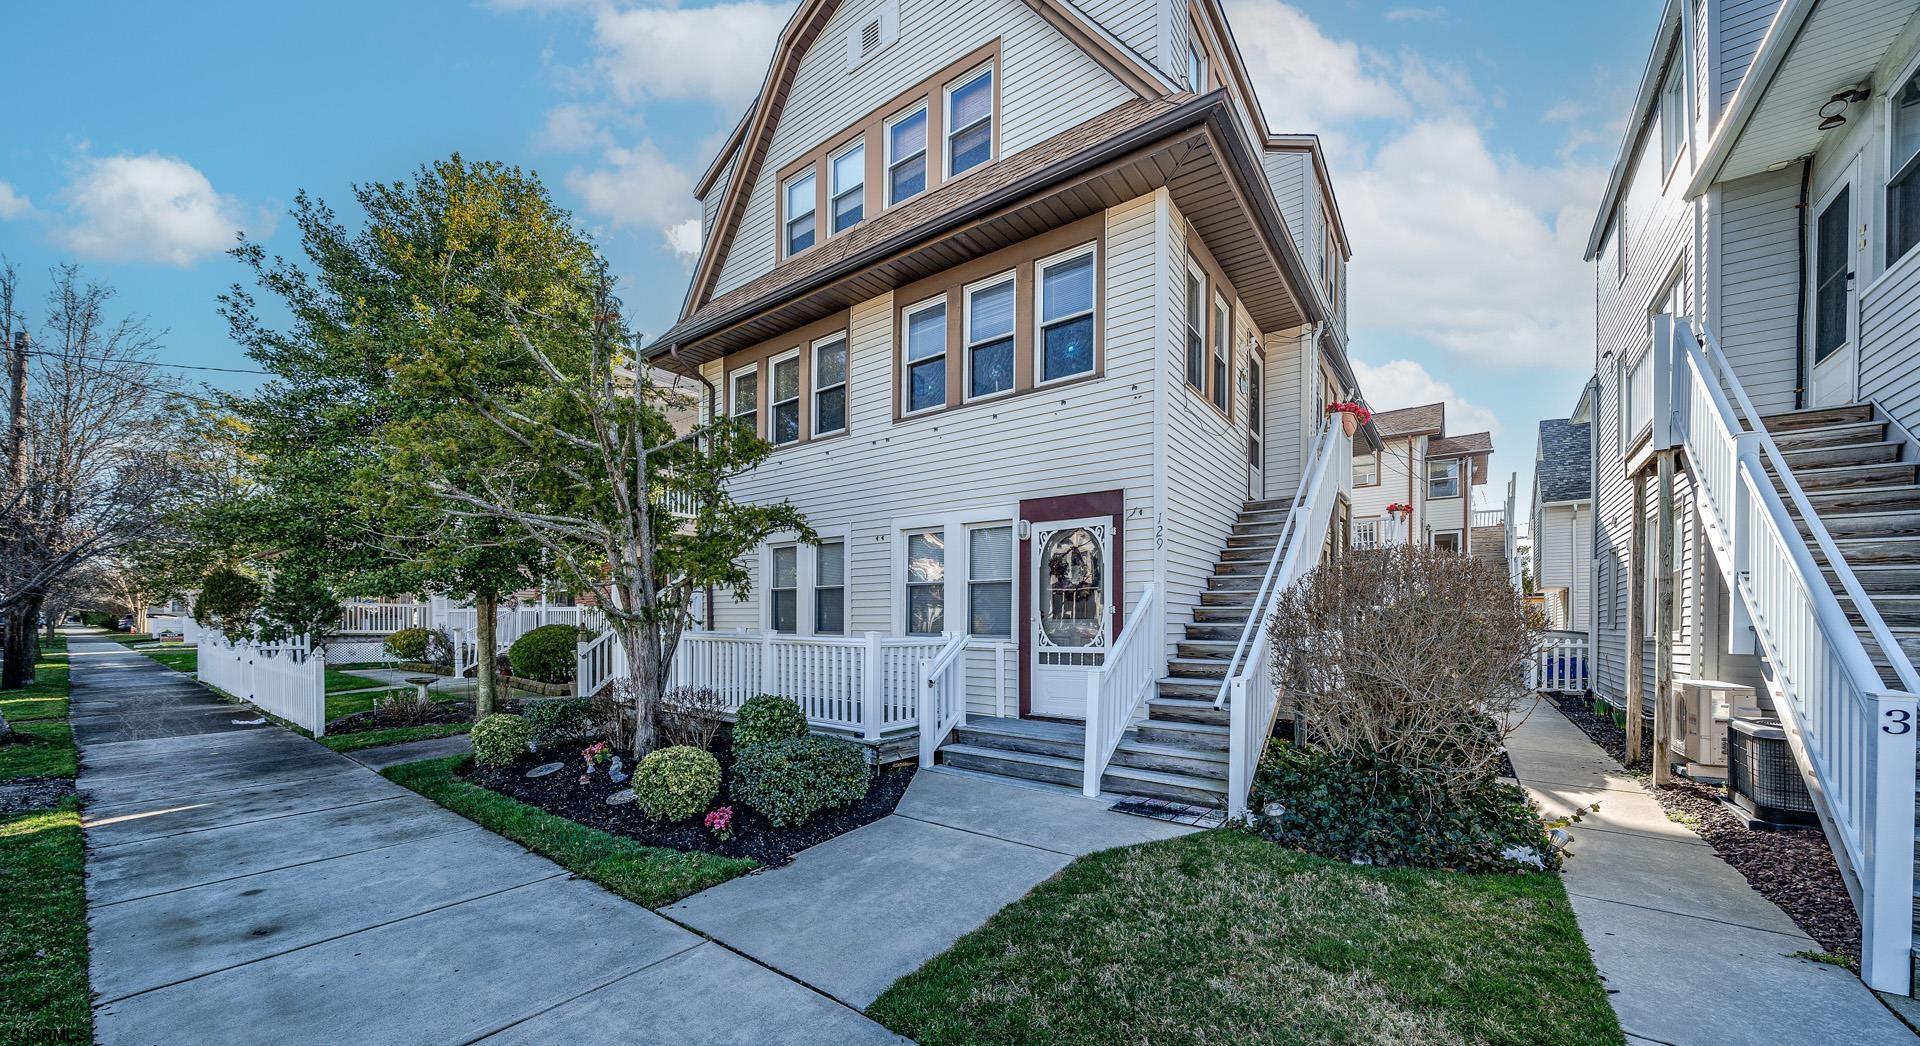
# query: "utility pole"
{"type": "Point", "coordinates": [17, 406]}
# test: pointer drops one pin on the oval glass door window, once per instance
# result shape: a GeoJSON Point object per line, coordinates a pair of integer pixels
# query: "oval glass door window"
{"type": "Point", "coordinates": [1073, 608]}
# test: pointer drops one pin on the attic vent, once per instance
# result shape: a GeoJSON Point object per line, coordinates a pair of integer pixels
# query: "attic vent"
{"type": "Point", "coordinates": [873, 35]}
{"type": "Point", "coordinates": [869, 37]}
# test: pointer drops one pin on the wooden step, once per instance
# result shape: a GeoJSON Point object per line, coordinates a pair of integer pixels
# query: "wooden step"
{"type": "Point", "coordinates": [1213, 737]}
{"type": "Point", "coordinates": [1267, 528]}
{"type": "Point", "coordinates": [1853, 476]}
{"type": "Point", "coordinates": [1248, 583]}
{"type": "Point", "coordinates": [1267, 504]}
{"type": "Point", "coordinates": [1197, 667]}
{"type": "Point", "coordinates": [1831, 435]}
{"type": "Point", "coordinates": [1879, 550]}
{"type": "Point", "coordinates": [1229, 615]}
{"type": "Point", "coordinates": [1227, 630]}
{"type": "Point", "coordinates": [1241, 568]}
{"type": "Point", "coordinates": [1034, 736]}
{"type": "Point", "coordinates": [1815, 417]}
{"type": "Point", "coordinates": [1866, 524]}
{"type": "Point", "coordinates": [1206, 649]}
{"type": "Point", "coordinates": [1874, 499]}
{"type": "Point", "coordinates": [1261, 554]}
{"type": "Point", "coordinates": [1883, 452]}
{"type": "Point", "coordinates": [1266, 542]}
{"type": "Point", "coordinates": [1878, 577]}
{"type": "Point", "coordinates": [1189, 708]}
{"type": "Point", "coordinates": [1027, 766]}
{"type": "Point", "coordinates": [1265, 515]}
{"type": "Point", "coordinates": [1897, 609]}
{"type": "Point", "coordinates": [1159, 784]}
{"type": "Point", "coordinates": [1139, 754]}
{"type": "Point", "coordinates": [1240, 597]}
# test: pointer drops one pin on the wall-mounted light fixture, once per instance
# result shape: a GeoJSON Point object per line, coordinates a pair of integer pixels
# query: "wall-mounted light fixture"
{"type": "Point", "coordinates": [1834, 113]}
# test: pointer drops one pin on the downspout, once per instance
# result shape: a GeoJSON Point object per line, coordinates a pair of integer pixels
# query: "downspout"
{"type": "Point", "coordinates": [1800, 288]}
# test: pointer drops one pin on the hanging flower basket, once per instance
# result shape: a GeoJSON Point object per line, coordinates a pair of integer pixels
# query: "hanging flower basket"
{"type": "Point", "coordinates": [1399, 508]}
{"type": "Point", "coordinates": [1352, 415]}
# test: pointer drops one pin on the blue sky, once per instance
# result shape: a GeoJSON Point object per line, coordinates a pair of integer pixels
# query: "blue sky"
{"type": "Point", "coordinates": [1468, 142]}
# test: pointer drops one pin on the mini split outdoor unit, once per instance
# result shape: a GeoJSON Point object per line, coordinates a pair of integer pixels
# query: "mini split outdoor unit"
{"type": "Point", "coordinates": [1762, 777]}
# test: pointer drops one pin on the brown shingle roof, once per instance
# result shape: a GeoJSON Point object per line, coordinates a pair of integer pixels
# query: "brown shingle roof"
{"type": "Point", "coordinates": [1411, 421]}
{"type": "Point", "coordinates": [904, 220]}
{"type": "Point", "coordinates": [1452, 446]}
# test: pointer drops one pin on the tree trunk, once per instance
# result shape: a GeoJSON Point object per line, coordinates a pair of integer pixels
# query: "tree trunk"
{"type": "Point", "coordinates": [140, 618]}
{"type": "Point", "coordinates": [20, 647]}
{"type": "Point", "coordinates": [643, 670]}
{"type": "Point", "coordinates": [486, 619]}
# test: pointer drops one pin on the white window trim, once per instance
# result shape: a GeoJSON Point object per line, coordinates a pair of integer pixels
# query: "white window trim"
{"type": "Point", "coordinates": [1458, 479]}
{"type": "Point", "coordinates": [1370, 524]}
{"type": "Point", "coordinates": [799, 399]}
{"type": "Point", "coordinates": [787, 218]}
{"type": "Point", "coordinates": [1194, 270]}
{"type": "Point", "coordinates": [1217, 341]}
{"type": "Point", "coordinates": [1672, 85]}
{"type": "Point", "coordinates": [1459, 540]}
{"type": "Point", "coordinates": [1196, 60]}
{"type": "Point", "coordinates": [834, 192]}
{"type": "Point", "coordinates": [1012, 580]}
{"type": "Point", "coordinates": [800, 614]}
{"type": "Point", "coordinates": [1040, 324]}
{"type": "Point", "coordinates": [967, 341]}
{"type": "Point", "coordinates": [810, 595]}
{"type": "Point", "coordinates": [806, 574]}
{"type": "Point", "coordinates": [1906, 261]}
{"type": "Point", "coordinates": [733, 391]}
{"type": "Point", "coordinates": [906, 365]}
{"type": "Point", "coordinates": [844, 383]}
{"type": "Point", "coordinates": [953, 527]}
{"type": "Point", "coordinates": [1376, 470]}
{"type": "Point", "coordinates": [948, 131]}
{"type": "Point", "coordinates": [926, 150]}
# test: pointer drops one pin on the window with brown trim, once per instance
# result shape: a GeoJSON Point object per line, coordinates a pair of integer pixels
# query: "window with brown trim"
{"type": "Point", "coordinates": [923, 356]}
{"type": "Point", "coordinates": [848, 202]}
{"type": "Point", "coordinates": [988, 325]}
{"type": "Point", "coordinates": [1065, 313]}
{"type": "Point", "coordinates": [799, 230]}
{"type": "Point", "coordinates": [1222, 352]}
{"type": "Point", "coordinates": [907, 154]}
{"type": "Point", "coordinates": [830, 386]}
{"type": "Point", "coordinates": [970, 132]}
{"type": "Point", "coordinates": [783, 418]}
{"type": "Point", "coordinates": [743, 397]}
{"type": "Point", "coordinates": [1196, 326]}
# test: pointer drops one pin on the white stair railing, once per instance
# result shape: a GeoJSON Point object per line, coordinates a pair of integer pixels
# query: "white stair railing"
{"type": "Point", "coordinates": [597, 662]}
{"type": "Point", "coordinates": [1851, 734]}
{"type": "Point", "coordinates": [1249, 691]}
{"type": "Point", "coordinates": [1119, 688]}
{"type": "Point", "coordinates": [943, 696]}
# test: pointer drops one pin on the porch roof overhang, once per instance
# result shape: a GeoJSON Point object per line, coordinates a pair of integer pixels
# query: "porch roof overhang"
{"type": "Point", "coordinates": [1813, 50]}
{"type": "Point", "coordinates": [1192, 146]}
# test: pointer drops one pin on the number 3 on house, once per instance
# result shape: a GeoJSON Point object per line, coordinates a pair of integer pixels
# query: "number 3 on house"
{"type": "Point", "coordinates": [1902, 721]}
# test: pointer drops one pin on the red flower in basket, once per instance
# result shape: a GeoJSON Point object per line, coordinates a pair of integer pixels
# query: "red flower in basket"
{"type": "Point", "coordinates": [1400, 509]}
{"type": "Point", "coordinates": [1352, 415]}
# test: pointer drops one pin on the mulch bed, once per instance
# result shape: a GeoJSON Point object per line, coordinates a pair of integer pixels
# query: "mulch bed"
{"type": "Point", "coordinates": [33, 793]}
{"type": "Point", "coordinates": [1792, 867]}
{"type": "Point", "coordinates": [408, 713]}
{"type": "Point", "coordinates": [753, 835]}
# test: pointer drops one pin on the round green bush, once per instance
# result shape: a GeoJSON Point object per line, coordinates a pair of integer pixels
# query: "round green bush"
{"type": "Point", "coordinates": [560, 719]}
{"type": "Point", "coordinates": [673, 784]}
{"type": "Point", "coordinates": [499, 739]}
{"type": "Point", "coordinates": [766, 718]}
{"type": "Point", "coordinates": [789, 781]}
{"type": "Point", "coordinates": [408, 644]}
{"type": "Point", "coordinates": [545, 654]}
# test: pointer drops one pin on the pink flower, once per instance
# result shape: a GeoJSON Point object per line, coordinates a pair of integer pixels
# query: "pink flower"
{"type": "Point", "coordinates": [720, 822]}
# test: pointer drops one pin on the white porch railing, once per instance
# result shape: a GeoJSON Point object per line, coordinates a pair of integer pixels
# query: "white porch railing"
{"type": "Point", "coordinates": [1119, 688]}
{"type": "Point", "coordinates": [510, 623]}
{"type": "Point", "coordinates": [869, 685]}
{"type": "Point", "coordinates": [1850, 732]}
{"type": "Point", "coordinates": [286, 679]}
{"type": "Point", "coordinates": [1249, 690]}
{"type": "Point", "coordinates": [1489, 517]}
{"type": "Point", "coordinates": [1561, 664]}
{"type": "Point", "coordinates": [383, 618]}
{"type": "Point", "coordinates": [943, 696]}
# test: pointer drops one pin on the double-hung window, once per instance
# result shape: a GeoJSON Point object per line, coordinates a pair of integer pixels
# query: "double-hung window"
{"type": "Point", "coordinates": [989, 336]}
{"type": "Point", "coordinates": [1903, 175]}
{"type": "Point", "coordinates": [907, 155]}
{"type": "Point", "coordinates": [1443, 478]}
{"type": "Point", "coordinates": [783, 425]}
{"type": "Point", "coordinates": [1673, 118]}
{"type": "Point", "coordinates": [1066, 314]}
{"type": "Point", "coordinates": [1196, 61]}
{"type": "Point", "coordinates": [1366, 470]}
{"type": "Point", "coordinates": [745, 395]}
{"type": "Point", "coordinates": [800, 208]}
{"type": "Point", "coordinates": [830, 386]}
{"type": "Point", "coordinates": [970, 122]}
{"type": "Point", "coordinates": [926, 582]}
{"type": "Point", "coordinates": [990, 581]}
{"type": "Point", "coordinates": [830, 588]}
{"type": "Point", "coordinates": [784, 589]}
{"type": "Point", "coordinates": [849, 181]}
{"type": "Point", "coordinates": [1222, 350]}
{"type": "Point", "coordinates": [925, 347]}
{"type": "Point", "coordinates": [1196, 326]}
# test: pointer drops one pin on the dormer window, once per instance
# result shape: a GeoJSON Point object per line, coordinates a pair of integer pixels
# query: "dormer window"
{"type": "Point", "coordinates": [907, 155]}
{"type": "Point", "coordinates": [970, 122]}
{"type": "Point", "coordinates": [849, 186]}
{"type": "Point", "coordinates": [800, 211]}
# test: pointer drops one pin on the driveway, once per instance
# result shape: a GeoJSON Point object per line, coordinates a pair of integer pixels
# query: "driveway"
{"type": "Point", "coordinates": [245, 884]}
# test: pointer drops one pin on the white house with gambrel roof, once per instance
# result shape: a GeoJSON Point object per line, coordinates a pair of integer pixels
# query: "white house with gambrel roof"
{"type": "Point", "coordinates": [1041, 321]}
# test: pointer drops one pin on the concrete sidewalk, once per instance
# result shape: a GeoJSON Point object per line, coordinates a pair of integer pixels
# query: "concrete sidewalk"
{"type": "Point", "coordinates": [1690, 951]}
{"type": "Point", "coordinates": [247, 885]}
{"type": "Point", "coordinates": [858, 912]}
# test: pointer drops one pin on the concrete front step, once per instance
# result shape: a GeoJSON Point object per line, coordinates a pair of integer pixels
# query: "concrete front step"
{"type": "Point", "coordinates": [1880, 453]}
{"type": "Point", "coordinates": [1187, 706]}
{"type": "Point", "coordinates": [1845, 477]}
{"type": "Point", "coordinates": [1831, 435]}
{"type": "Point", "coordinates": [1817, 417]}
{"type": "Point", "coordinates": [1866, 524]}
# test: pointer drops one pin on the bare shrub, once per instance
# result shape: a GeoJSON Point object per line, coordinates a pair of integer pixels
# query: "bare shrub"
{"type": "Point", "coordinates": [1408, 657]}
{"type": "Point", "coordinates": [693, 716]}
{"type": "Point", "coordinates": [613, 712]}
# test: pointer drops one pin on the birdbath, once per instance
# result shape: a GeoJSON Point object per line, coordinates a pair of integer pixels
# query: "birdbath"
{"type": "Point", "coordinates": [420, 684]}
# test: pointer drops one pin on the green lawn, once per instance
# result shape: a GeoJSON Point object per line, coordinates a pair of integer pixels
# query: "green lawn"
{"type": "Point", "coordinates": [179, 658]}
{"type": "Point", "coordinates": [648, 875]}
{"type": "Point", "coordinates": [339, 704]}
{"type": "Point", "coordinates": [49, 753]}
{"type": "Point", "coordinates": [43, 928]}
{"type": "Point", "coordinates": [47, 697]}
{"type": "Point", "coordinates": [392, 736]}
{"type": "Point", "coordinates": [338, 680]}
{"type": "Point", "coordinates": [131, 637]}
{"type": "Point", "coordinates": [1224, 937]}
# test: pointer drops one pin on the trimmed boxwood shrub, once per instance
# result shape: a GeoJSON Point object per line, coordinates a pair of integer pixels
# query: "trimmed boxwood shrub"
{"type": "Point", "coordinates": [766, 718]}
{"type": "Point", "coordinates": [1352, 808]}
{"type": "Point", "coordinates": [791, 780]}
{"type": "Point", "coordinates": [545, 654]}
{"type": "Point", "coordinates": [673, 784]}
{"type": "Point", "coordinates": [559, 719]}
{"type": "Point", "coordinates": [408, 644]}
{"type": "Point", "coordinates": [500, 738]}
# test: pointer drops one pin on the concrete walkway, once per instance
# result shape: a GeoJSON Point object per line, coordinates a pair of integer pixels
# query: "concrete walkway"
{"type": "Point", "coordinates": [856, 913]}
{"type": "Point", "coordinates": [1690, 951]}
{"type": "Point", "coordinates": [246, 885]}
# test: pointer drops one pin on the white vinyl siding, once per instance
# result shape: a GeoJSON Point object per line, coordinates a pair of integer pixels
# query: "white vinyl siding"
{"type": "Point", "coordinates": [1754, 231]}
{"type": "Point", "coordinates": [1743, 24]}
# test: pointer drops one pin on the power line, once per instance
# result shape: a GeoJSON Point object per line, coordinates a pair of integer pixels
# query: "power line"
{"type": "Point", "coordinates": [147, 363]}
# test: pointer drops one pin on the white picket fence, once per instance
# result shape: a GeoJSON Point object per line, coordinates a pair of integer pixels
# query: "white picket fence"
{"type": "Point", "coordinates": [286, 679]}
{"type": "Point", "coordinates": [1561, 664]}
{"type": "Point", "coordinates": [383, 618]}
{"type": "Point", "coordinates": [869, 684]}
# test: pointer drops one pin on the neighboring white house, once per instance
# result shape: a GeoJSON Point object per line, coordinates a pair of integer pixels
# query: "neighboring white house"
{"type": "Point", "coordinates": [1560, 526]}
{"type": "Point", "coordinates": [1419, 466]}
{"type": "Point", "coordinates": [1041, 321]}
{"type": "Point", "coordinates": [1757, 266]}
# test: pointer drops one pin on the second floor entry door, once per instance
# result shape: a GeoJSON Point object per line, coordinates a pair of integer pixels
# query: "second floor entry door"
{"type": "Point", "coordinates": [1835, 256]}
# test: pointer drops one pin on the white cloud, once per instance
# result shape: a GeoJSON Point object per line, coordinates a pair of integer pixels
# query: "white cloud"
{"type": "Point", "coordinates": [147, 208]}
{"type": "Point", "coordinates": [571, 128]}
{"type": "Point", "coordinates": [12, 204]}
{"type": "Point", "coordinates": [684, 238]}
{"type": "Point", "coordinates": [1416, 14]}
{"type": "Point", "coordinates": [716, 54]}
{"type": "Point", "coordinates": [1405, 383]}
{"type": "Point", "coordinates": [638, 188]}
{"type": "Point", "coordinates": [1304, 78]}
